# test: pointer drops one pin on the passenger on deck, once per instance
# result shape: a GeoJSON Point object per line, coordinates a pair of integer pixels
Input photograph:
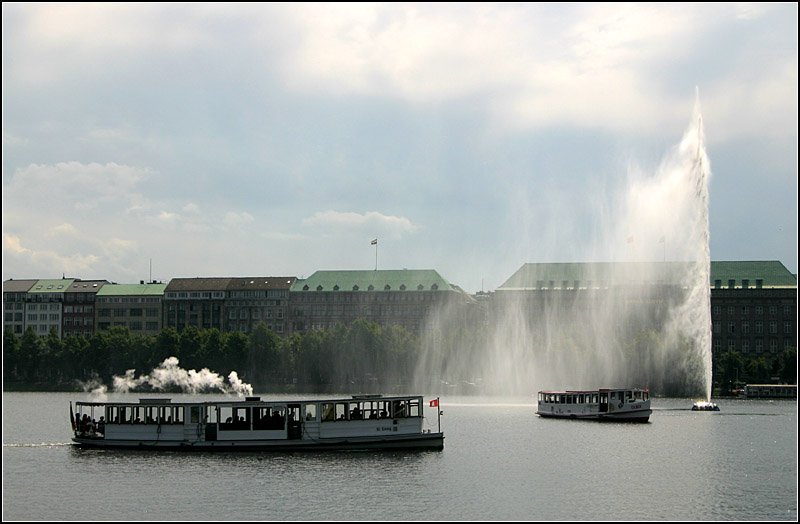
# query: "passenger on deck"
{"type": "Point", "coordinates": [355, 414]}
{"type": "Point", "coordinates": [101, 425]}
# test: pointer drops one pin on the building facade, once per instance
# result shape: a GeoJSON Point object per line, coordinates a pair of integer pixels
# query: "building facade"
{"type": "Point", "coordinates": [44, 306]}
{"type": "Point", "coordinates": [228, 303]}
{"type": "Point", "coordinates": [753, 307]}
{"type": "Point", "coordinates": [137, 307]}
{"type": "Point", "coordinates": [79, 307]}
{"type": "Point", "coordinates": [753, 303]}
{"type": "Point", "coordinates": [412, 299]}
{"type": "Point", "coordinates": [197, 302]}
{"type": "Point", "coordinates": [15, 294]}
{"type": "Point", "coordinates": [250, 300]}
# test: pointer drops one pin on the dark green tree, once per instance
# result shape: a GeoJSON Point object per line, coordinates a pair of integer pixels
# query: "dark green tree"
{"type": "Point", "coordinates": [11, 356]}
{"type": "Point", "coordinates": [264, 359]}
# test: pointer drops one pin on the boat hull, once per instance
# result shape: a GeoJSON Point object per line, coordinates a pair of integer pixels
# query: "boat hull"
{"type": "Point", "coordinates": [627, 416]}
{"type": "Point", "coordinates": [426, 441]}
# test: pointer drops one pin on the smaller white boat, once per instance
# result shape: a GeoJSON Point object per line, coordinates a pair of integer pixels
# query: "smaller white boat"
{"type": "Point", "coordinates": [622, 404]}
{"type": "Point", "coordinates": [704, 406]}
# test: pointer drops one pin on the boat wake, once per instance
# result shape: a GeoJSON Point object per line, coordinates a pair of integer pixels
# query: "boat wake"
{"type": "Point", "coordinates": [35, 445]}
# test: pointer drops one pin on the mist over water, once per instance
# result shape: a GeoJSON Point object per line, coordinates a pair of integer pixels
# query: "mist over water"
{"type": "Point", "coordinates": [635, 310]}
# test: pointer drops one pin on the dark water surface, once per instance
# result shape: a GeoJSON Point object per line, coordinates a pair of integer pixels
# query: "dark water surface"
{"type": "Point", "coordinates": [500, 462]}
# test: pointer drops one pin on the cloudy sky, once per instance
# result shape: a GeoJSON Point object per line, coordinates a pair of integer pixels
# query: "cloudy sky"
{"type": "Point", "coordinates": [280, 139]}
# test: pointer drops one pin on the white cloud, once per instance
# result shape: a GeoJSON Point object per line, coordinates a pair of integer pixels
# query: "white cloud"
{"type": "Point", "coordinates": [73, 185]}
{"type": "Point", "coordinates": [45, 263]}
{"type": "Point", "coordinates": [64, 229]}
{"type": "Point", "coordinates": [235, 220]}
{"type": "Point", "coordinates": [372, 221]}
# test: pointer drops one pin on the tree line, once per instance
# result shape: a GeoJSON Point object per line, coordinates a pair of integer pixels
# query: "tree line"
{"type": "Point", "coordinates": [360, 357]}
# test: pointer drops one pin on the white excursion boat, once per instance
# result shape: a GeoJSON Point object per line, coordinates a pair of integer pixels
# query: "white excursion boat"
{"type": "Point", "coordinates": [252, 424]}
{"type": "Point", "coordinates": [627, 404]}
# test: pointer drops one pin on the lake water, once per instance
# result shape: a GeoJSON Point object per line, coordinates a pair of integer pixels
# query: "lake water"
{"type": "Point", "coordinates": [500, 462]}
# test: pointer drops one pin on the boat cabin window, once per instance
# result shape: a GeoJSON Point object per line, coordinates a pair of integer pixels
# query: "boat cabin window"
{"type": "Point", "coordinates": [310, 411]}
{"type": "Point", "coordinates": [234, 418]}
{"type": "Point", "coordinates": [151, 415]}
{"type": "Point", "coordinates": [368, 409]}
{"type": "Point", "coordinates": [406, 408]}
{"type": "Point", "coordinates": [270, 417]}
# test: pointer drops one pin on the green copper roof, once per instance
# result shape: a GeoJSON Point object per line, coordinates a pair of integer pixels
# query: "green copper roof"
{"type": "Point", "coordinates": [771, 272]}
{"type": "Point", "coordinates": [117, 290]}
{"type": "Point", "coordinates": [380, 280]}
{"type": "Point", "coordinates": [593, 274]}
{"type": "Point", "coordinates": [600, 274]}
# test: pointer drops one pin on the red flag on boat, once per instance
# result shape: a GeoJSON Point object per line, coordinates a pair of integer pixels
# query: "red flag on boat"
{"type": "Point", "coordinates": [435, 403]}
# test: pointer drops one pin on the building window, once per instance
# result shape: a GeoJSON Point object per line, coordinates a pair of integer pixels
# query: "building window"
{"type": "Point", "coordinates": [732, 345]}
{"type": "Point", "coordinates": [745, 347]}
{"type": "Point", "coordinates": [759, 327]}
{"type": "Point", "coordinates": [773, 328]}
{"type": "Point", "coordinates": [731, 327]}
{"type": "Point", "coordinates": [759, 310]}
{"type": "Point", "coordinates": [787, 328]}
{"type": "Point", "coordinates": [773, 345]}
{"type": "Point", "coordinates": [759, 346]}
{"type": "Point", "coordinates": [746, 327]}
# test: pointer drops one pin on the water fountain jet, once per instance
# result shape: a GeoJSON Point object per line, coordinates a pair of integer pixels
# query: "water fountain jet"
{"type": "Point", "coordinates": [631, 321]}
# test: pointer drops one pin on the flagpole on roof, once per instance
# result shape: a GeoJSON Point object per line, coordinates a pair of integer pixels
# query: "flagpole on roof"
{"type": "Point", "coordinates": [375, 243]}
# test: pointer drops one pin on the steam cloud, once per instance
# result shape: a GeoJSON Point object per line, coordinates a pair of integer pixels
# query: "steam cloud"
{"type": "Point", "coordinates": [169, 374]}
